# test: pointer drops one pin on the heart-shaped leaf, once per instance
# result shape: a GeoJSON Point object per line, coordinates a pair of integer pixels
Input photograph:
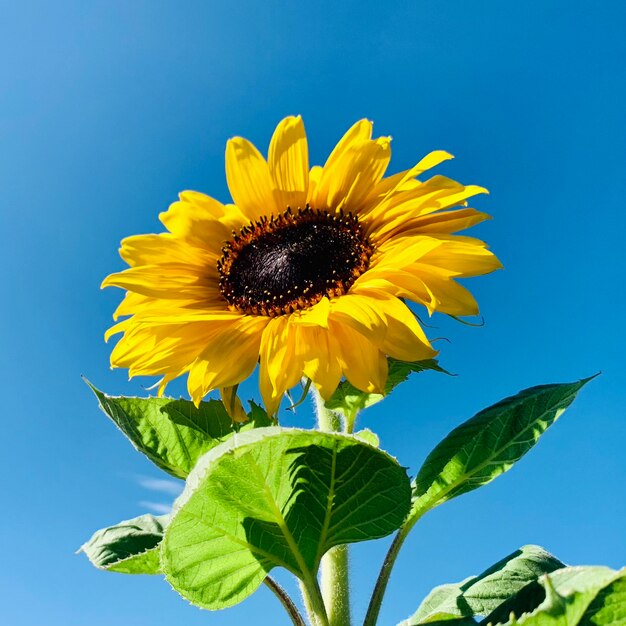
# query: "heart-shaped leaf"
{"type": "Point", "coordinates": [277, 497]}
{"type": "Point", "coordinates": [174, 434]}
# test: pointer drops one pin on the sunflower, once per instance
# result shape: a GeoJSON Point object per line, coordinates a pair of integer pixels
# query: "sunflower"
{"type": "Point", "coordinates": [306, 273]}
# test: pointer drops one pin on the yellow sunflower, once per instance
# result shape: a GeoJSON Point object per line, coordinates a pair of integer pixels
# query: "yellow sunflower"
{"type": "Point", "coordinates": [306, 273]}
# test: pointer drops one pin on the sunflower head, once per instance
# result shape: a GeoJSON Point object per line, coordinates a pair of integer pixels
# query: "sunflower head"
{"type": "Point", "coordinates": [307, 273]}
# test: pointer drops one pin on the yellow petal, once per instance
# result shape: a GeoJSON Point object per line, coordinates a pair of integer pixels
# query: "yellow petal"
{"type": "Point", "coordinates": [317, 315]}
{"type": "Point", "coordinates": [314, 179]}
{"type": "Point", "coordinates": [229, 358]}
{"type": "Point", "coordinates": [446, 222]}
{"type": "Point", "coordinates": [399, 252]}
{"type": "Point", "coordinates": [386, 322]}
{"type": "Point", "coordinates": [171, 281]}
{"type": "Point", "coordinates": [434, 289]}
{"type": "Point", "coordinates": [120, 327]}
{"type": "Point", "coordinates": [363, 364]}
{"type": "Point", "coordinates": [163, 248]}
{"type": "Point", "coordinates": [160, 349]}
{"type": "Point", "coordinates": [288, 160]}
{"type": "Point", "coordinates": [356, 134]}
{"type": "Point", "coordinates": [462, 256]}
{"type": "Point", "coordinates": [436, 194]}
{"type": "Point", "coordinates": [280, 367]}
{"type": "Point", "coordinates": [249, 179]}
{"type": "Point", "coordinates": [202, 220]}
{"type": "Point", "coordinates": [349, 180]}
{"type": "Point", "coordinates": [319, 351]}
{"type": "Point", "coordinates": [233, 405]}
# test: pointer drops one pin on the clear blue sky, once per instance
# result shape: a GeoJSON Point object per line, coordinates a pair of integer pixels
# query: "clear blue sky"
{"type": "Point", "coordinates": [108, 109]}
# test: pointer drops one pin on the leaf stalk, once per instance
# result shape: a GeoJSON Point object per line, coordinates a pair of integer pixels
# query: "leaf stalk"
{"type": "Point", "coordinates": [286, 601]}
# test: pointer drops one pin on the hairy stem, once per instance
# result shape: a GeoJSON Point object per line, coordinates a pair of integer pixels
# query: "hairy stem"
{"type": "Point", "coordinates": [327, 421]}
{"type": "Point", "coordinates": [335, 585]}
{"type": "Point", "coordinates": [314, 604]}
{"type": "Point", "coordinates": [334, 565]}
{"type": "Point", "coordinates": [286, 601]}
{"type": "Point", "coordinates": [378, 594]}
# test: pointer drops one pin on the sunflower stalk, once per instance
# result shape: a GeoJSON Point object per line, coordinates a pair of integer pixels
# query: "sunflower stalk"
{"type": "Point", "coordinates": [286, 601]}
{"type": "Point", "coordinates": [334, 571]}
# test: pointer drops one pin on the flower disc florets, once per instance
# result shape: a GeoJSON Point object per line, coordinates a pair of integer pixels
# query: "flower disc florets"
{"type": "Point", "coordinates": [291, 261]}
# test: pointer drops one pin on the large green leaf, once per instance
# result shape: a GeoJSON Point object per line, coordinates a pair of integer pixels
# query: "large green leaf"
{"type": "Point", "coordinates": [489, 444]}
{"type": "Point", "coordinates": [480, 595]}
{"type": "Point", "coordinates": [277, 497]}
{"type": "Point", "coordinates": [609, 606]}
{"type": "Point", "coordinates": [130, 547]}
{"type": "Point", "coordinates": [569, 600]}
{"type": "Point", "coordinates": [348, 400]}
{"type": "Point", "coordinates": [173, 434]}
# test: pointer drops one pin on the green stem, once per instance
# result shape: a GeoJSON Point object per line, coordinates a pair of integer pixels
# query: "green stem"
{"type": "Point", "coordinates": [335, 585]}
{"type": "Point", "coordinates": [334, 570]}
{"type": "Point", "coordinates": [314, 603]}
{"type": "Point", "coordinates": [373, 609]}
{"type": "Point", "coordinates": [286, 601]}
{"type": "Point", "coordinates": [327, 421]}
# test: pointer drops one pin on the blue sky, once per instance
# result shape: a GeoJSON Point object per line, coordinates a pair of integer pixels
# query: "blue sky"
{"type": "Point", "coordinates": [108, 109]}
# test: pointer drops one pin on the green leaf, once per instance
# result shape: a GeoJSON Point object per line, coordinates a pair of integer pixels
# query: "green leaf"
{"type": "Point", "coordinates": [489, 444]}
{"type": "Point", "coordinates": [174, 434]}
{"type": "Point", "coordinates": [130, 547]}
{"type": "Point", "coordinates": [609, 606]}
{"type": "Point", "coordinates": [368, 436]}
{"type": "Point", "coordinates": [277, 497]}
{"type": "Point", "coordinates": [480, 595]}
{"type": "Point", "coordinates": [348, 400]}
{"type": "Point", "coordinates": [569, 599]}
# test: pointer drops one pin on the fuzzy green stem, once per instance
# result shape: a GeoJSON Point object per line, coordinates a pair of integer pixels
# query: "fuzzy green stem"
{"type": "Point", "coordinates": [327, 421]}
{"type": "Point", "coordinates": [335, 585]}
{"type": "Point", "coordinates": [334, 566]}
{"type": "Point", "coordinates": [286, 601]}
{"type": "Point", "coordinates": [314, 604]}
{"type": "Point", "coordinates": [385, 572]}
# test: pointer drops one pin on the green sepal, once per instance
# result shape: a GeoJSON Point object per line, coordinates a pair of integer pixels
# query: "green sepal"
{"type": "Point", "coordinates": [347, 400]}
{"type": "Point", "coordinates": [130, 547]}
{"type": "Point", "coordinates": [277, 497]}
{"type": "Point", "coordinates": [174, 434]}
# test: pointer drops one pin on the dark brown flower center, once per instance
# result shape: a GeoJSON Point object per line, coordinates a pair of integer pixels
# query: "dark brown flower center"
{"type": "Point", "coordinates": [289, 262]}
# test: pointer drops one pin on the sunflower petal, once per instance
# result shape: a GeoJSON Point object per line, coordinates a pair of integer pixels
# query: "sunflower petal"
{"type": "Point", "coordinates": [171, 281]}
{"type": "Point", "coordinates": [319, 350]}
{"type": "Point", "coordinates": [280, 368]}
{"type": "Point", "coordinates": [249, 179]}
{"type": "Point", "coordinates": [345, 184]}
{"type": "Point", "coordinates": [386, 322]}
{"type": "Point", "coordinates": [288, 160]}
{"type": "Point", "coordinates": [317, 315]}
{"type": "Point", "coordinates": [203, 220]}
{"type": "Point", "coordinates": [232, 404]}
{"type": "Point", "coordinates": [152, 249]}
{"type": "Point", "coordinates": [462, 257]}
{"type": "Point", "coordinates": [228, 358]}
{"type": "Point", "coordinates": [363, 364]}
